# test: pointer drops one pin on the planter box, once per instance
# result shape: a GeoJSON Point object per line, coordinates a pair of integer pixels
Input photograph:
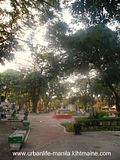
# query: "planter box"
{"type": "Point", "coordinates": [64, 116]}
{"type": "Point", "coordinates": [16, 138]}
{"type": "Point", "coordinates": [20, 132]}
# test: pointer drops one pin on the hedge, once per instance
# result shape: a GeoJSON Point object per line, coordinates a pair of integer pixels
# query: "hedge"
{"type": "Point", "coordinates": [87, 124]}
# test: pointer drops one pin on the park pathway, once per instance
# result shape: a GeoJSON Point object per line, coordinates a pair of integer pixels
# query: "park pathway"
{"type": "Point", "coordinates": [44, 130]}
{"type": "Point", "coordinates": [46, 134]}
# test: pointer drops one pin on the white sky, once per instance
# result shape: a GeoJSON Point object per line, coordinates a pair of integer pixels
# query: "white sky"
{"type": "Point", "coordinates": [21, 59]}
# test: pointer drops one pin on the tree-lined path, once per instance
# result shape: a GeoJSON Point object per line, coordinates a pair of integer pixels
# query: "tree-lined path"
{"type": "Point", "coordinates": [47, 135]}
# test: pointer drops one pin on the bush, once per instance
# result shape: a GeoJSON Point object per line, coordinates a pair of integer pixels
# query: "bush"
{"type": "Point", "coordinates": [73, 113]}
{"type": "Point", "coordinates": [101, 124]}
{"type": "Point", "coordinates": [99, 114]}
{"type": "Point", "coordinates": [69, 126]}
{"type": "Point", "coordinates": [117, 114]}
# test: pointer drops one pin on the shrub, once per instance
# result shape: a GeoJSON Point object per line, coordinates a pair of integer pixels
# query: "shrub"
{"type": "Point", "coordinates": [117, 114]}
{"type": "Point", "coordinates": [101, 124]}
{"type": "Point", "coordinates": [98, 115]}
{"type": "Point", "coordinates": [69, 126]}
{"type": "Point", "coordinates": [73, 113]}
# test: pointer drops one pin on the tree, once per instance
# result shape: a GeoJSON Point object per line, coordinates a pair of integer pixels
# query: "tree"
{"type": "Point", "coordinates": [35, 87]}
{"type": "Point", "coordinates": [47, 64]}
{"type": "Point", "coordinates": [96, 47]}
{"type": "Point", "coordinates": [96, 11]}
{"type": "Point", "coordinates": [11, 85]}
{"type": "Point", "coordinates": [102, 91]}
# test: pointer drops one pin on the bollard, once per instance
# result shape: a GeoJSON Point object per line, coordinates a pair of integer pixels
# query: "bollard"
{"type": "Point", "coordinates": [26, 124]}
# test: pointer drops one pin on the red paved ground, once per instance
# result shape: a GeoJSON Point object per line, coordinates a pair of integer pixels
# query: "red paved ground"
{"type": "Point", "coordinates": [44, 130]}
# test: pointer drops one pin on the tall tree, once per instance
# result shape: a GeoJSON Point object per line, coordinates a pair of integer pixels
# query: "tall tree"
{"type": "Point", "coordinates": [35, 86]}
{"type": "Point", "coordinates": [11, 85]}
{"type": "Point", "coordinates": [96, 47]}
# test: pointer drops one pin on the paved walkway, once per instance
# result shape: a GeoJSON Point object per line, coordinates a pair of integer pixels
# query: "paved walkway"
{"type": "Point", "coordinates": [48, 137]}
{"type": "Point", "coordinates": [44, 130]}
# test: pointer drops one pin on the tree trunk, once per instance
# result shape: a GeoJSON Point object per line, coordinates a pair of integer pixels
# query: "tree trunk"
{"type": "Point", "coordinates": [116, 96]}
{"type": "Point", "coordinates": [118, 103]}
{"type": "Point", "coordinates": [35, 99]}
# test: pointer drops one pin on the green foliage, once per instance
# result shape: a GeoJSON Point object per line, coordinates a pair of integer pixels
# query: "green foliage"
{"type": "Point", "coordinates": [99, 114]}
{"type": "Point", "coordinates": [97, 46]}
{"type": "Point", "coordinates": [68, 126]}
{"type": "Point", "coordinates": [7, 46]}
{"type": "Point", "coordinates": [13, 12]}
{"type": "Point", "coordinates": [47, 66]}
{"type": "Point", "coordinates": [35, 87]}
{"type": "Point", "coordinates": [35, 82]}
{"type": "Point", "coordinates": [10, 83]}
{"type": "Point", "coordinates": [117, 114]}
{"type": "Point", "coordinates": [73, 113]}
{"type": "Point", "coordinates": [54, 103]}
{"type": "Point", "coordinates": [96, 12]}
{"type": "Point", "coordinates": [102, 124]}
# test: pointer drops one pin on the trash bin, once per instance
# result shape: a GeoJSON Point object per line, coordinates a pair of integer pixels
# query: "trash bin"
{"type": "Point", "coordinates": [3, 115]}
{"type": "Point", "coordinates": [77, 129]}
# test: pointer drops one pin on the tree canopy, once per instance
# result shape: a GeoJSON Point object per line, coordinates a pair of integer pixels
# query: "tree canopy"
{"type": "Point", "coordinates": [96, 47]}
{"type": "Point", "coordinates": [96, 11]}
{"type": "Point", "coordinates": [14, 15]}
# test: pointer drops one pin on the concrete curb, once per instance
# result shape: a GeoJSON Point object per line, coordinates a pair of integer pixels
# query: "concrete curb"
{"type": "Point", "coordinates": [27, 135]}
